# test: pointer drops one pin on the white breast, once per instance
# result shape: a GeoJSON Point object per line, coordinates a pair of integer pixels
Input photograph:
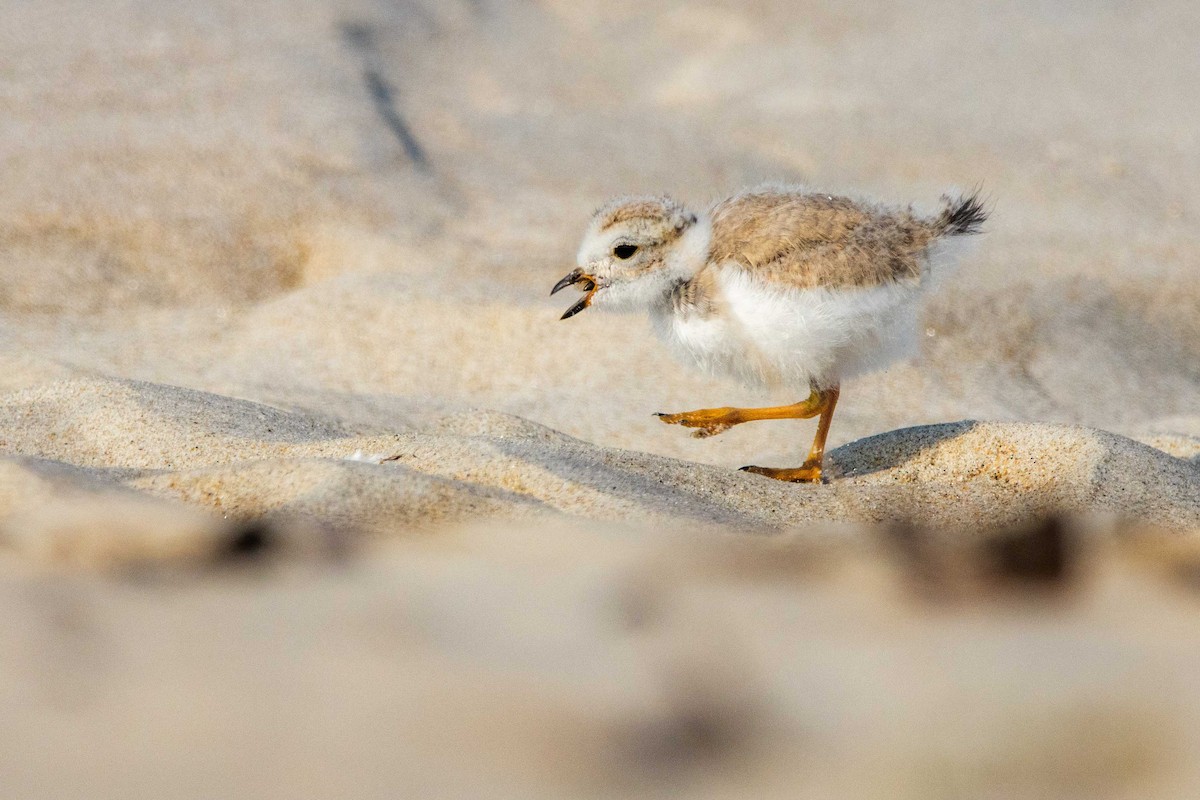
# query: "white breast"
{"type": "Point", "coordinates": [707, 342]}
{"type": "Point", "coordinates": [764, 335]}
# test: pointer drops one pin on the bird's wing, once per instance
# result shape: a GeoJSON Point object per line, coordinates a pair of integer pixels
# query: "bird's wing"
{"type": "Point", "coordinates": [805, 240]}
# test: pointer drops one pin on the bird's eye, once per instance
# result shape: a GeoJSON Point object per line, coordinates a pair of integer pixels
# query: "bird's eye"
{"type": "Point", "coordinates": [624, 250]}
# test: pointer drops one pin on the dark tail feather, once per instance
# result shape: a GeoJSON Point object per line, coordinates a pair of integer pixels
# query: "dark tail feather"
{"type": "Point", "coordinates": [963, 215]}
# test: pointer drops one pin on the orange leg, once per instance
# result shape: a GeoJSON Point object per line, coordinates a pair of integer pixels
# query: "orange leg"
{"type": "Point", "coordinates": [711, 421]}
{"type": "Point", "coordinates": [810, 470]}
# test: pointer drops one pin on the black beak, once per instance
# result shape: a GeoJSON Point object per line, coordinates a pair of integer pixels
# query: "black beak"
{"type": "Point", "coordinates": [572, 278]}
{"type": "Point", "coordinates": [569, 279]}
{"type": "Point", "coordinates": [583, 303]}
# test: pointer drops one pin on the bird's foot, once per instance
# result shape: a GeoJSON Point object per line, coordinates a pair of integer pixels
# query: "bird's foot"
{"type": "Point", "coordinates": [809, 472]}
{"type": "Point", "coordinates": [706, 421]}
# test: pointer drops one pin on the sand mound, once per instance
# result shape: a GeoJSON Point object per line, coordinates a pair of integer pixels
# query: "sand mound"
{"type": "Point", "coordinates": [126, 424]}
{"type": "Point", "coordinates": [968, 473]}
{"type": "Point", "coordinates": [343, 495]}
{"type": "Point", "coordinates": [246, 461]}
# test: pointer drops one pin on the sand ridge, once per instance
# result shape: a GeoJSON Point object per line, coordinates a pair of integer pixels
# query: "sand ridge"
{"type": "Point", "coordinates": [244, 460]}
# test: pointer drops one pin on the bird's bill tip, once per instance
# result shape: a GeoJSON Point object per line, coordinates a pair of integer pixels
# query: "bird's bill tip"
{"type": "Point", "coordinates": [583, 303]}
{"type": "Point", "coordinates": [572, 277]}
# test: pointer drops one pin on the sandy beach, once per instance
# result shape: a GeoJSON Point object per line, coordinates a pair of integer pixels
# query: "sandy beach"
{"type": "Point", "coordinates": [305, 490]}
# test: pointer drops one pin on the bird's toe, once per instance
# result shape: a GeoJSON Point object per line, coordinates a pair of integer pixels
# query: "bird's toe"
{"type": "Point", "coordinates": [710, 430]}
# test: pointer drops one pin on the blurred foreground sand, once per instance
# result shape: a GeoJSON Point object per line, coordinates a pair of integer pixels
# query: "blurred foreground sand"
{"type": "Point", "coordinates": [274, 281]}
{"type": "Point", "coordinates": [583, 661]}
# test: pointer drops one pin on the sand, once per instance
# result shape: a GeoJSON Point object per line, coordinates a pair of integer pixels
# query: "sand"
{"type": "Point", "coordinates": [274, 289]}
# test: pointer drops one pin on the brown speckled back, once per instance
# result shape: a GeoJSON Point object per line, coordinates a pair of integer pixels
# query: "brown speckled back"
{"type": "Point", "coordinates": [804, 240]}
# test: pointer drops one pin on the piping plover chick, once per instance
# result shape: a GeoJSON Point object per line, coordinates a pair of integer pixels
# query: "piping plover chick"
{"type": "Point", "coordinates": [777, 287]}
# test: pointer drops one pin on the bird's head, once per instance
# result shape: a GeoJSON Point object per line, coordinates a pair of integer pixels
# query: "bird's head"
{"type": "Point", "coordinates": [634, 252]}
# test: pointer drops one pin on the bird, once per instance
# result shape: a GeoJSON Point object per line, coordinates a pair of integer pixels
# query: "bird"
{"type": "Point", "coordinates": [777, 286]}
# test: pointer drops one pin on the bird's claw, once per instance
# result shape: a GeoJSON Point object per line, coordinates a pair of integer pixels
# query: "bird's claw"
{"type": "Point", "coordinates": [809, 473]}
